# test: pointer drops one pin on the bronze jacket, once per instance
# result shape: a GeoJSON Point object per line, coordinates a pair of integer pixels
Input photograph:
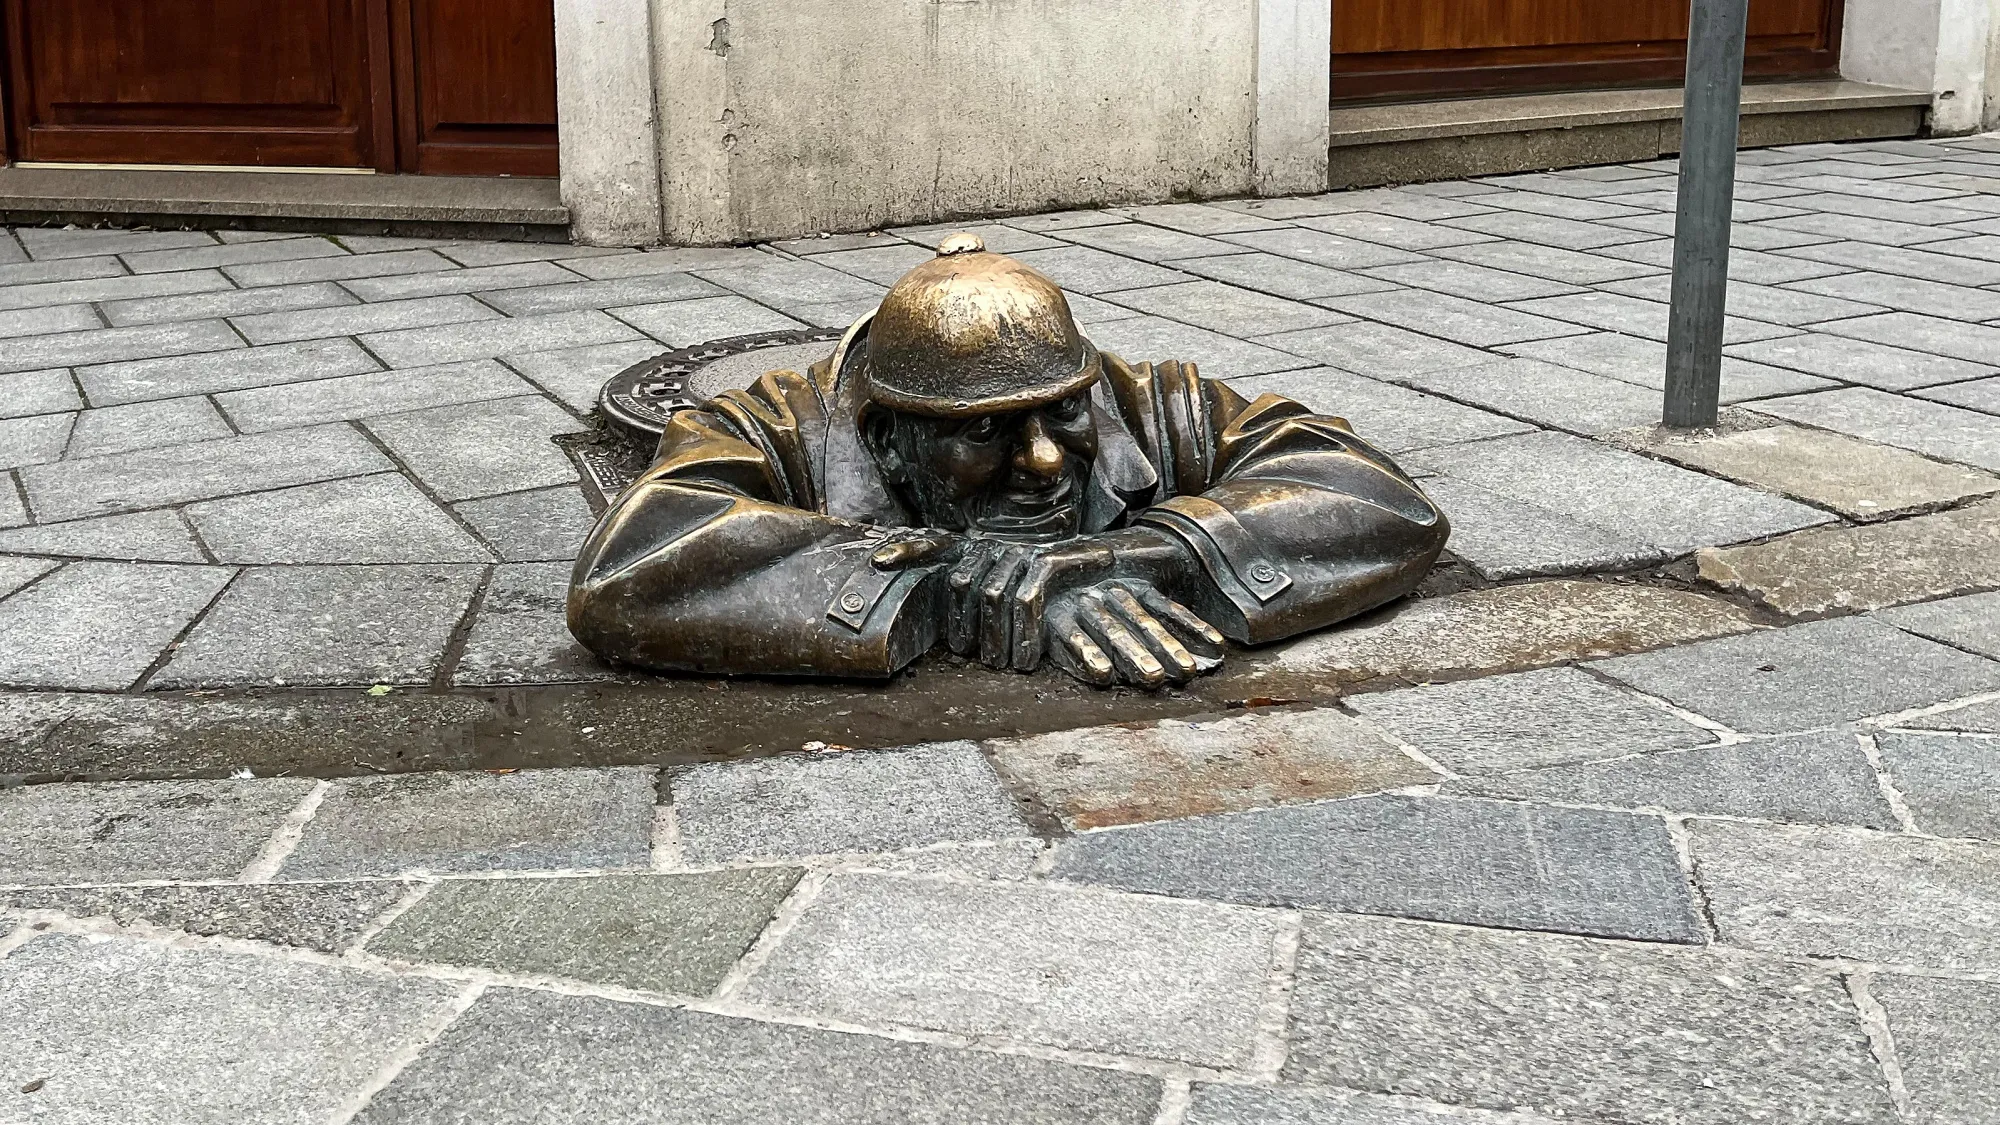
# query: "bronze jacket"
{"type": "Point", "coordinates": [744, 548]}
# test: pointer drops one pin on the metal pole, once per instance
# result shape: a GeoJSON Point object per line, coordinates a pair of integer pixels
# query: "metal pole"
{"type": "Point", "coordinates": [1701, 224]}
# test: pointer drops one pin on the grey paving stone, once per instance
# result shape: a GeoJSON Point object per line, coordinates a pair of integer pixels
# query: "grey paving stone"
{"type": "Point", "coordinates": [870, 801]}
{"type": "Point", "coordinates": [544, 525]}
{"type": "Point", "coordinates": [1982, 718]}
{"type": "Point", "coordinates": [1615, 312]}
{"type": "Point", "coordinates": [423, 347]}
{"type": "Point", "coordinates": [372, 394]}
{"type": "Point", "coordinates": [1973, 343]}
{"type": "Point", "coordinates": [1951, 783]}
{"type": "Point", "coordinates": [1765, 303]}
{"type": "Point", "coordinates": [145, 1032]}
{"type": "Point", "coordinates": [1548, 230]}
{"type": "Point", "coordinates": [134, 537]}
{"type": "Point", "coordinates": [1960, 302]}
{"type": "Point", "coordinates": [1821, 777]}
{"type": "Point", "coordinates": [1858, 479]}
{"type": "Point", "coordinates": [1903, 261]}
{"type": "Point", "coordinates": [1082, 269]}
{"type": "Point", "coordinates": [644, 289]}
{"type": "Point", "coordinates": [681, 324]}
{"type": "Point", "coordinates": [1548, 717]}
{"type": "Point", "coordinates": [1320, 248]}
{"type": "Point", "coordinates": [1578, 1029]}
{"type": "Point", "coordinates": [1482, 863]}
{"type": "Point", "coordinates": [658, 933]}
{"type": "Point", "coordinates": [1543, 393]}
{"type": "Point", "coordinates": [1125, 974]}
{"type": "Point", "coordinates": [1852, 893]}
{"type": "Point", "coordinates": [569, 819]}
{"type": "Point", "coordinates": [1866, 567]}
{"type": "Point", "coordinates": [353, 320]}
{"type": "Point", "coordinates": [782, 284]}
{"type": "Point", "coordinates": [482, 279]}
{"type": "Point", "coordinates": [1571, 267]}
{"type": "Point", "coordinates": [500, 253]}
{"type": "Point", "coordinates": [1096, 777]}
{"type": "Point", "coordinates": [1937, 430]}
{"type": "Point", "coordinates": [112, 832]}
{"type": "Point", "coordinates": [77, 291]}
{"type": "Point", "coordinates": [213, 255]}
{"type": "Point", "coordinates": [1889, 210]}
{"type": "Point", "coordinates": [1971, 622]}
{"type": "Point", "coordinates": [1671, 508]}
{"type": "Point", "coordinates": [482, 449]}
{"type": "Point", "coordinates": [376, 519]}
{"type": "Point", "coordinates": [1144, 242]}
{"type": "Point", "coordinates": [231, 302]}
{"type": "Point", "coordinates": [1281, 277]}
{"type": "Point", "coordinates": [46, 320]}
{"type": "Point", "coordinates": [1147, 339]}
{"type": "Point", "coordinates": [675, 259]}
{"type": "Point", "coordinates": [1502, 537]}
{"type": "Point", "coordinates": [1819, 673]}
{"type": "Point", "coordinates": [108, 345]}
{"type": "Point", "coordinates": [35, 440]}
{"type": "Point", "coordinates": [1064, 220]}
{"type": "Point", "coordinates": [38, 392]}
{"type": "Point", "coordinates": [521, 635]}
{"type": "Point", "coordinates": [16, 573]}
{"type": "Point", "coordinates": [826, 242]}
{"type": "Point", "coordinates": [1376, 350]}
{"type": "Point", "coordinates": [519, 1057]}
{"type": "Point", "coordinates": [1403, 203]}
{"type": "Point", "coordinates": [1755, 267]}
{"type": "Point", "coordinates": [576, 375]}
{"type": "Point", "coordinates": [1285, 209]}
{"type": "Point", "coordinates": [144, 380]}
{"type": "Point", "coordinates": [1944, 1041]}
{"type": "Point", "coordinates": [1980, 394]}
{"type": "Point", "coordinates": [323, 916]}
{"type": "Point", "coordinates": [998, 236]}
{"type": "Point", "coordinates": [19, 272]}
{"type": "Point", "coordinates": [45, 243]}
{"type": "Point", "coordinates": [835, 314]}
{"type": "Point", "coordinates": [1455, 318]}
{"type": "Point", "coordinates": [345, 268]}
{"type": "Point", "coordinates": [13, 512]}
{"type": "Point", "coordinates": [155, 477]}
{"type": "Point", "coordinates": [1227, 309]}
{"type": "Point", "coordinates": [325, 625]}
{"type": "Point", "coordinates": [1464, 279]}
{"type": "Point", "coordinates": [1216, 1104]}
{"type": "Point", "coordinates": [1390, 417]}
{"type": "Point", "coordinates": [1191, 218]}
{"type": "Point", "coordinates": [1644, 363]}
{"type": "Point", "coordinates": [1392, 230]}
{"type": "Point", "coordinates": [1510, 627]}
{"type": "Point", "coordinates": [1009, 860]}
{"type": "Point", "coordinates": [145, 425]}
{"type": "Point", "coordinates": [97, 626]}
{"type": "Point", "coordinates": [885, 265]}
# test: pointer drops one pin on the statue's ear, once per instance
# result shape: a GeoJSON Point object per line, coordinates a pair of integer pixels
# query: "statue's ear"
{"type": "Point", "coordinates": [878, 431]}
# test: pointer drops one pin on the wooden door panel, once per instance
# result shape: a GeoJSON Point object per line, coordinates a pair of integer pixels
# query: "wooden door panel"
{"type": "Point", "coordinates": [477, 85]}
{"type": "Point", "coordinates": [192, 81]}
{"type": "Point", "coordinates": [1433, 48]}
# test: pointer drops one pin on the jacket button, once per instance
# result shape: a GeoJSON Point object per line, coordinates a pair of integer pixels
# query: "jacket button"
{"type": "Point", "coordinates": [1263, 572]}
{"type": "Point", "coordinates": [852, 603]}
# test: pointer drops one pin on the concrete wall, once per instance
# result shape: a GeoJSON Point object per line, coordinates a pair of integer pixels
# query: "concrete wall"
{"type": "Point", "coordinates": [1945, 46]}
{"type": "Point", "coordinates": [606, 121]}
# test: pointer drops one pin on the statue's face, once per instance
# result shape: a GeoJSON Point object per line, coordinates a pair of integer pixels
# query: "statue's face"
{"type": "Point", "coordinates": [1016, 475]}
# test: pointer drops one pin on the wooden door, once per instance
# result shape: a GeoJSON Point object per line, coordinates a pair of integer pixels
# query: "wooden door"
{"type": "Point", "coordinates": [476, 85]}
{"type": "Point", "coordinates": [1403, 49]}
{"type": "Point", "coordinates": [256, 82]}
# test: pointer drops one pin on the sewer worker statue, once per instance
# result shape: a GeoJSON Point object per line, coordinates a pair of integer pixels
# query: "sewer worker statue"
{"type": "Point", "coordinates": [967, 467]}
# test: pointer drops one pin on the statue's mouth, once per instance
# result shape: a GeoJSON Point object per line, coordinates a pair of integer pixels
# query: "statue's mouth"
{"type": "Point", "coordinates": [1033, 515]}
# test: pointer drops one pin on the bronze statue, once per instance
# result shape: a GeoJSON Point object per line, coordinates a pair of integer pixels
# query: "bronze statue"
{"type": "Point", "coordinates": [966, 466]}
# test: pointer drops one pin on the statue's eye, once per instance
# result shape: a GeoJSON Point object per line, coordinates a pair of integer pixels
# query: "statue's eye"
{"type": "Point", "coordinates": [1067, 410]}
{"type": "Point", "coordinates": [980, 429]}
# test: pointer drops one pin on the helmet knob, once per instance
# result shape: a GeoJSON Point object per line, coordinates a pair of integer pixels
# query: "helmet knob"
{"type": "Point", "coordinates": [964, 242]}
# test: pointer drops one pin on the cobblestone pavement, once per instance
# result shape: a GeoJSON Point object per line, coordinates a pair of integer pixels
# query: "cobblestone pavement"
{"type": "Point", "coordinates": [1676, 801]}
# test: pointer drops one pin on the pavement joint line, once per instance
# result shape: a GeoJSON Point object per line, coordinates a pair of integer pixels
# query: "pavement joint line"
{"type": "Point", "coordinates": [782, 920]}
{"type": "Point", "coordinates": [461, 633]}
{"type": "Point", "coordinates": [392, 1067]}
{"type": "Point", "coordinates": [1385, 734]}
{"type": "Point", "coordinates": [409, 898]}
{"type": "Point", "coordinates": [1269, 1048]}
{"type": "Point", "coordinates": [1683, 845]}
{"type": "Point", "coordinates": [1881, 1040]}
{"type": "Point", "coordinates": [1898, 807]}
{"type": "Point", "coordinates": [37, 580]}
{"type": "Point", "coordinates": [666, 843]}
{"type": "Point", "coordinates": [1894, 717]}
{"type": "Point", "coordinates": [1045, 863]}
{"type": "Point", "coordinates": [1175, 1099]}
{"type": "Point", "coordinates": [285, 837]}
{"type": "Point", "coordinates": [173, 647]}
{"type": "Point", "coordinates": [194, 533]}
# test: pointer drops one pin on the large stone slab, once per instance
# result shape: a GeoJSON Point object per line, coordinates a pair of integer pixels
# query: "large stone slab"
{"type": "Point", "coordinates": [1216, 1104]}
{"type": "Point", "coordinates": [1931, 428]}
{"type": "Point", "coordinates": [1151, 338]}
{"type": "Point", "coordinates": [144, 425]}
{"type": "Point", "coordinates": [1548, 717]}
{"type": "Point", "coordinates": [1567, 399]}
{"type": "Point", "coordinates": [144, 380]}
{"type": "Point", "coordinates": [423, 347]}
{"type": "Point", "coordinates": [1477, 862]}
{"type": "Point", "coordinates": [124, 831]}
{"type": "Point", "coordinates": [1860, 361]}
{"type": "Point", "coordinates": [1821, 777]}
{"type": "Point", "coordinates": [1950, 783]}
{"type": "Point", "coordinates": [324, 916]}
{"type": "Point", "coordinates": [572, 819]}
{"type": "Point", "coordinates": [156, 536]}
{"type": "Point", "coordinates": [482, 449]}
{"type": "Point", "coordinates": [370, 395]}
{"type": "Point", "coordinates": [1971, 622]}
{"type": "Point", "coordinates": [1503, 537]}
{"type": "Point", "coordinates": [1391, 418]}
{"type": "Point", "coordinates": [658, 933]}
{"type": "Point", "coordinates": [378, 519]}
{"type": "Point", "coordinates": [535, 1058]}
{"type": "Point", "coordinates": [1101, 776]}
{"type": "Point", "coordinates": [326, 625]}
{"type": "Point", "coordinates": [1848, 892]}
{"type": "Point", "coordinates": [1226, 308]}
{"type": "Point", "coordinates": [133, 1031]}
{"type": "Point", "coordinates": [1478, 323]}
{"type": "Point", "coordinates": [1643, 363]}
{"type": "Point", "coordinates": [1522, 626]}
{"type": "Point", "coordinates": [521, 635]}
{"type": "Point", "coordinates": [546, 525]}
{"type": "Point", "coordinates": [1125, 974]}
{"type": "Point", "coordinates": [1579, 1030]}
{"type": "Point", "coordinates": [99, 625]}
{"type": "Point", "coordinates": [157, 477]}
{"type": "Point", "coordinates": [1806, 676]}
{"type": "Point", "coordinates": [1866, 567]}
{"type": "Point", "coordinates": [16, 573]}
{"type": "Point", "coordinates": [871, 801]}
{"type": "Point", "coordinates": [1859, 479]}
{"type": "Point", "coordinates": [1378, 351]}
{"type": "Point", "coordinates": [1945, 1043]}
{"type": "Point", "coordinates": [1981, 718]}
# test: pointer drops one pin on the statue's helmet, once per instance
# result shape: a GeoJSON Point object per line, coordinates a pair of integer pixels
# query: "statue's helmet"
{"type": "Point", "coordinates": [972, 332]}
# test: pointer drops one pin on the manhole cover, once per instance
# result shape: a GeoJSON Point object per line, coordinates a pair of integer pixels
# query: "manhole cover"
{"type": "Point", "coordinates": [638, 399]}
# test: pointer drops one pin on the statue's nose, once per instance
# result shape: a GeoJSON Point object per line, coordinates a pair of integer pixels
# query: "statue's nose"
{"type": "Point", "coordinates": [1039, 453]}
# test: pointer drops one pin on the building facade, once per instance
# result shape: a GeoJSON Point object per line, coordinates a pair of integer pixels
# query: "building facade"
{"type": "Point", "coordinates": [718, 121]}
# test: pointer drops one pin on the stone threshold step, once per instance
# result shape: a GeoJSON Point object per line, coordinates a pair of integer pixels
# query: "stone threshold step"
{"type": "Point", "coordinates": [1425, 141]}
{"type": "Point", "coordinates": [498, 207]}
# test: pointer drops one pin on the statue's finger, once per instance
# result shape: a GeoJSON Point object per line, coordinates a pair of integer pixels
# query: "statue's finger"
{"type": "Point", "coordinates": [1087, 662]}
{"type": "Point", "coordinates": [916, 551]}
{"type": "Point", "coordinates": [962, 584]}
{"type": "Point", "coordinates": [1201, 638]}
{"type": "Point", "coordinates": [1029, 606]}
{"type": "Point", "coordinates": [1136, 663]}
{"type": "Point", "coordinates": [1180, 664]}
{"type": "Point", "coordinates": [995, 631]}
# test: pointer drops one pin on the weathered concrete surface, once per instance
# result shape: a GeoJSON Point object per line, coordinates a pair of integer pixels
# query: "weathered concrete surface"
{"type": "Point", "coordinates": [1866, 567]}
{"type": "Point", "coordinates": [120, 832]}
{"type": "Point", "coordinates": [324, 916]}
{"type": "Point", "coordinates": [1858, 479]}
{"type": "Point", "coordinates": [1101, 776]}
